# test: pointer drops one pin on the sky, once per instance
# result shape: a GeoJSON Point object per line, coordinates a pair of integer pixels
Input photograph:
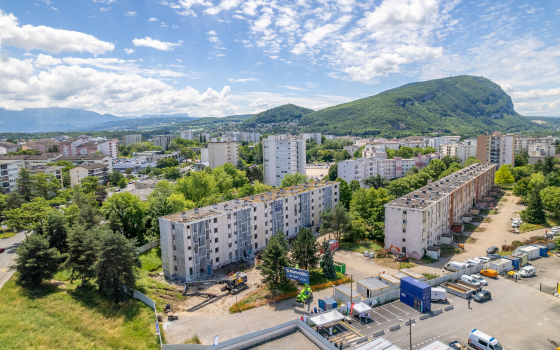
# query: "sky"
{"type": "Point", "coordinates": [224, 57]}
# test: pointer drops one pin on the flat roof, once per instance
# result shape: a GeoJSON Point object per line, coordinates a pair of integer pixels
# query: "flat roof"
{"type": "Point", "coordinates": [412, 273]}
{"type": "Point", "coordinates": [246, 202]}
{"type": "Point", "coordinates": [292, 340]}
{"type": "Point", "coordinates": [372, 283]}
{"type": "Point", "coordinates": [345, 290]}
{"type": "Point", "coordinates": [390, 278]}
{"type": "Point", "coordinates": [378, 344]}
{"type": "Point", "coordinates": [400, 275]}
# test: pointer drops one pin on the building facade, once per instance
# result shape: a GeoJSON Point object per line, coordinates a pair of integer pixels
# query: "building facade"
{"type": "Point", "coordinates": [461, 151]}
{"type": "Point", "coordinates": [9, 170]}
{"type": "Point", "coordinates": [7, 147]}
{"type": "Point", "coordinates": [495, 149]}
{"type": "Point", "coordinates": [109, 148]}
{"type": "Point", "coordinates": [313, 136]}
{"type": "Point", "coordinates": [523, 143]}
{"type": "Point", "coordinates": [415, 222]}
{"type": "Point", "coordinates": [54, 170]}
{"type": "Point", "coordinates": [129, 139]}
{"type": "Point", "coordinates": [90, 159]}
{"type": "Point", "coordinates": [281, 156]}
{"type": "Point", "coordinates": [196, 241]}
{"type": "Point", "coordinates": [360, 169]}
{"type": "Point", "coordinates": [397, 167]}
{"type": "Point", "coordinates": [163, 141]}
{"type": "Point", "coordinates": [187, 134]}
{"type": "Point", "coordinates": [99, 170]}
{"type": "Point", "coordinates": [220, 153]}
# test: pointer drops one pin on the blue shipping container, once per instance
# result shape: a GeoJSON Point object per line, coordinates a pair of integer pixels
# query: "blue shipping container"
{"type": "Point", "coordinates": [514, 262]}
{"type": "Point", "coordinates": [327, 304]}
{"type": "Point", "coordinates": [543, 251]}
{"type": "Point", "coordinates": [416, 294]}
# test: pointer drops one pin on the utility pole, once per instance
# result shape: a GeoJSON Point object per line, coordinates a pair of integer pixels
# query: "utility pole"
{"type": "Point", "coordinates": [410, 332]}
{"type": "Point", "coordinates": [350, 295]}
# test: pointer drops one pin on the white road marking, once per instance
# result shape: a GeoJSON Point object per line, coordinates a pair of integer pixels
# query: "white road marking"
{"type": "Point", "coordinates": [380, 315]}
{"type": "Point", "coordinates": [389, 311]}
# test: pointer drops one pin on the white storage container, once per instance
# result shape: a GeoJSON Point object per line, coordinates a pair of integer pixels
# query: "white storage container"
{"type": "Point", "coordinates": [532, 252]}
{"type": "Point", "coordinates": [501, 265]}
{"type": "Point", "coordinates": [342, 293]}
{"type": "Point", "coordinates": [372, 287]}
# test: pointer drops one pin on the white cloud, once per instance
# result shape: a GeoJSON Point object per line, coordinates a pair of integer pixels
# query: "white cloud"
{"type": "Point", "coordinates": [311, 38]}
{"type": "Point", "coordinates": [175, 26]}
{"type": "Point", "coordinates": [393, 14]}
{"type": "Point", "coordinates": [156, 44]}
{"type": "Point", "coordinates": [536, 94]}
{"type": "Point", "coordinates": [128, 51]}
{"type": "Point", "coordinates": [44, 61]}
{"type": "Point", "coordinates": [163, 24]}
{"type": "Point", "coordinates": [212, 32]}
{"type": "Point", "coordinates": [259, 63]}
{"type": "Point", "coordinates": [179, 60]}
{"type": "Point", "coordinates": [224, 5]}
{"type": "Point", "coordinates": [292, 88]}
{"type": "Point", "coordinates": [153, 19]}
{"type": "Point", "coordinates": [105, 8]}
{"type": "Point", "coordinates": [259, 103]}
{"type": "Point", "coordinates": [244, 80]}
{"type": "Point", "coordinates": [311, 85]}
{"type": "Point", "coordinates": [131, 13]}
{"type": "Point", "coordinates": [106, 2]}
{"type": "Point", "coordinates": [48, 39]}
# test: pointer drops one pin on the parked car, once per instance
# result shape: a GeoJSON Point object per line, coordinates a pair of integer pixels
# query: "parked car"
{"type": "Point", "coordinates": [494, 256]}
{"type": "Point", "coordinates": [527, 271]}
{"type": "Point", "coordinates": [515, 224]}
{"type": "Point", "coordinates": [472, 281]}
{"type": "Point", "coordinates": [2, 250]}
{"type": "Point", "coordinates": [484, 259]}
{"type": "Point", "coordinates": [473, 262]}
{"type": "Point", "coordinates": [492, 250]}
{"type": "Point", "coordinates": [482, 296]}
{"type": "Point", "coordinates": [480, 279]}
{"type": "Point", "coordinates": [489, 273]}
{"type": "Point", "coordinates": [548, 236]}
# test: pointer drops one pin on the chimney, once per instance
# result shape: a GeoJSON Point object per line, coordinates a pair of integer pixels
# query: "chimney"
{"type": "Point", "coordinates": [226, 207]}
{"type": "Point", "coordinates": [184, 214]}
{"type": "Point", "coordinates": [215, 206]}
{"type": "Point", "coordinates": [196, 210]}
{"type": "Point", "coordinates": [262, 198]}
{"type": "Point", "coordinates": [252, 197]}
{"type": "Point", "coordinates": [245, 202]}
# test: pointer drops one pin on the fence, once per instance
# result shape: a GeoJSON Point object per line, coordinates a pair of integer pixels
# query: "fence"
{"type": "Point", "coordinates": [143, 298]}
{"type": "Point", "coordinates": [148, 246]}
{"type": "Point", "coordinates": [550, 290]}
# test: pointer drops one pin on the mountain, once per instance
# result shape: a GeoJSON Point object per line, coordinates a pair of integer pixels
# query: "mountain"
{"type": "Point", "coordinates": [50, 119]}
{"type": "Point", "coordinates": [177, 115]}
{"type": "Point", "coordinates": [285, 113]}
{"type": "Point", "coordinates": [467, 105]}
{"type": "Point", "coordinates": [141, 123]}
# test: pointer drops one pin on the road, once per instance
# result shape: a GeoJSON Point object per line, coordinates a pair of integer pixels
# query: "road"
{"type": "Point", "coordinates": [8, 256]}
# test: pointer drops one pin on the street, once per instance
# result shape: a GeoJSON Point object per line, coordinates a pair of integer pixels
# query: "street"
{"type": "Point", "coordinates": [8, 256]}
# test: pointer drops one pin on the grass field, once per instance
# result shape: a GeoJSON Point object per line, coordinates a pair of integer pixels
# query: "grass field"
{"type": "Point", "coordinates": [550, 222]}
{"type": "Point", "coordinates": [369, 246]}
{"type": "Point", "coordinates": [6, 233]}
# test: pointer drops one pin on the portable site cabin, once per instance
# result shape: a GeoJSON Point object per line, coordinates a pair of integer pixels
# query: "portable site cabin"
{"type": "Point", "coordinates": [523, 258]}
{"type": "Point", "coordinates": [415, 275]}
{"type": "Point", "coordinates": [514, 261]}
{"type": "Point", "coordinates": [400, 275]}
{"type": "Point", "coordinates": [342, 293]}
{"type": "Point", "coordinates": [416, 294]}
{"type": "Point", "coordinates": [327, 304]}
{"type": "Point", "coordinates": [532, 252]}
{"type": "Point", "coordinates": [436, 345]}
{"type": "Point", "coordinates": [501, 265]}
{"type": "Point", "coordinates": [393, 282]}
{"type": "Point", "coordinates": [446, 238]}
{"type": "Point", "coordinates": [543, 249]}
{"type": "Point", "coordinates": [378, 344]}
{"type": "Point", "coordinates": [372, 287]}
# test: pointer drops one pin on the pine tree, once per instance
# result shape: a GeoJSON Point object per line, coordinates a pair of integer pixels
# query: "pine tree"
{"type": "Point", "coordinates": [336, 219]}
{"type": "Point", "coordinates": [333, 172]}
{"type": "Point", "coordinates": [36, 261]}
{"type": "Point", "coordinates": [305, 250]}
{"type": "Point", "coordinates": [81, 254]}
{"type": "Point", "coordinates": [56, 230]}
{"type": "Point", "coordinates": [88, 216]}
{"type": "Point", "coordinates": [25, 184]}
{"type": "Point", "coordinates": [327, 261]}
{"type": "Point", "coordinates": [534, 214]}
{"type": "Point", "coordinates": [117, 261]}
{"type": "Point", "coordinates": [114, 223]}
{"type": "Point", "coordinates": [274, 259]}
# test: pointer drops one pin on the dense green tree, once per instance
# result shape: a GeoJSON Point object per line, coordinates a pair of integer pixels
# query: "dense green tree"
{"type": "Point", "coordinates": [115, 177]}
{"type": "Point", "coordinates": [519, 160]}
{"type": "Point", "coordinates": [341, 155]}
{"type": "Point", "coordinates": [25, 184]}
{"type": "Point", "coordinates": [552, 179]}
{"type": "Point", "coordinates": [503, 176]}
{"type": "Point", "coordinates": [435, 168]}
{"type": "Point", "coordinates": [122, 183]}
{"type": "Point", "coordinates": [551, 200]}
{"type": "Point", "coordinates": [114, 224]}
{"type": "Point", "coordinates": [55, 229]}
{"type": "Point", "coordinates": [274, 259]}
{"type": "Point", "coordinates": [87, 216]}
{"type": "Point", "coordinates": [172, 173]}
{"type": "Point", "coordinates": [345, 193]}
{"type": "Point", "coordinates": [368, 204]}
{"type": "Point", "coordinates": [130, 211]}
{"type": "Point", "coordinates": [335, 220]}
{"type": "Point", "coordinates": [14, 200]}
{"type": "Point", "coordinates": [29, 216]}
{"type": "Point", "coordinates": [354, 185]}
{"type": "Point", "coordinates": [534, 213]}
{"type": "Point", "coordinates": [327, 261]}
{"type": "Point", "coordinates": [405, 152]}
{"type": "Point", "coordinates": [89, 184]}
{"type": "Point", "coordinates": [376, 181]}
{"type": "Point", "coordinates": [470, 161]}
{"type": "Point", "coordinates": [128, 171]}
{"type": "Point", "coordinates": [521, 187]}
{"type": "Point", "coordinates": [116, 265]}
{"type": "Point", "coordinates": [45, 185]}
{"type": "Point", "coordinates": [36, 261]}
{"type": "Point", "coordinates": [167, 162]}
{"type": "Point", "coordinates": [197, 186]}
{"type": "Point", "coordinates": [255, 173]}
{"type": "Point", "coordinates": [82, 253]}
{"type": "Point", "coordinates": [293, 179]}
{"type": "Point", "coordinates": [305, 250]}
{"type": "Point", "coordinates": [333, 172]}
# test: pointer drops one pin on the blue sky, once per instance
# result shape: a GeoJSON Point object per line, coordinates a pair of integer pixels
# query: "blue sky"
{"type": "Point", "coordinates": [223, 57]}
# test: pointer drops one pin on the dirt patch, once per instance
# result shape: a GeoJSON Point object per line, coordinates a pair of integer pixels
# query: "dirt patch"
{"type": "Point", "coordinates": [59, 284]}
{"type": "Point", "coordinates": [391, 263]}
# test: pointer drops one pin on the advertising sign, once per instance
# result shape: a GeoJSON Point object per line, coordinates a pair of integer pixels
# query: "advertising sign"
{"type": "Point", "coordinates": [297, 274]}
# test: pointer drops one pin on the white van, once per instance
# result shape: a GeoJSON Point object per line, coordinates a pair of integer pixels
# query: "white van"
{"type": "Point", "coordinates": [527, 271]}
{"type": "Point", "coordinates": [479, 340]}
{"type": "Point", "coordinates": [471, 280]}
{"type": "Point", "coordinates": [439, 295]}
{"type": "Point", "coordinates": [473, 262]}
{"type": "Point", "coordinates": [455, 266]}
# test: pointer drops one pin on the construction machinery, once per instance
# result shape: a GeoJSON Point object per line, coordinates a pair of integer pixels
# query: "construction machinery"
{"type": "Point", "coordinates": [234, 284]}
{"type": "Point", "coordinates": [305, 294]}
{"type": "Point", "coordinates": [400, 256]}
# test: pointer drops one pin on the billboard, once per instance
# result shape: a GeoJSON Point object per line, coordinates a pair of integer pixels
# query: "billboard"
{"type": "Point", "coordinates": [297, 274]}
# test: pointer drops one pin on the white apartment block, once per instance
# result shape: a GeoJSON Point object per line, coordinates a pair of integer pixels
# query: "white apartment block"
{"type": "Point", "coordinates": [128, 139]}
{"type": "Point", "coordinates": [282, 155]}
{"type": "Point", "coordinates": [415, 222]}
{"type": "Point", "coordinates": [523, 143]}
{"type": "Point", "coordinates": [220, 153]}
{"type": "Point", "coordinates": [238, 136]}
{"type": "Point", "coordinates": [330, 137]}
{"type": "Point", "coordinates": [374, 150]}
{"type": "Point", "coordinates": [495, 149]}
{"type": "Point", "coordinates": [539, 151]}
{"type": "Point", "coordinates": [9, 170]}
{"type": "Point", "coordinates": [109, 148]}
{"type": "Point", "coordinates": [351, 149]}
{"type": "Point", "coordinates": [461, 151]}
{"type": "Point", "coordinates": [99, 170]}
{"type": "Point", "coordinates": [435, 142]}
{"type": "Point", "coordinates": [360, 169]}
{"type": "Point", "coordinates": [199, 240]}
{"type": "Point", "coordinates": [7, 147]}
{"type": "Point", "coordinates": [397, 167]}
{"type": "Point", "coordinates": [162, 141]}
{"type": "Point", "coordinates": [313, 136]}
{"type": "Point", "coordinates": [187, 134]}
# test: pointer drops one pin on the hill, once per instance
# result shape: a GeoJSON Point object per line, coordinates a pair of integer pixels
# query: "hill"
{"type": "Point", "coordinates": [140, 123]}
{"type": "Point", "coordinates": [467, 105]}
{"type": "Point", "coordinates": [285, 113]}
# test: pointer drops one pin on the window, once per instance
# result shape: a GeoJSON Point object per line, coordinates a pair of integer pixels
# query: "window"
{"type": "Point", "coordinates": [286, 216]}
{"type": "Point", "coordinates": [174, 248]}
{"type": "Point", "coordinates": [255, 218]}
{"type": "Point", "coordinates": [230, 245]}
{"type": "Point", "coordinates": [190, 257]}
{"type": "Point", "coordinates": [189, 248]}
{"type": "Point", "coordinates": [266, 223]}
{"type": "Point", "coordinates": [255, 209]}
{"type": "Point", "coordinates": [174, 257]}
{"type": "Point", "coordinates": [230, 256]}
{"type": "Point", "coordinates": [218, 259]}
{"type": "Point", "coordinates": [216, 250]}
{"type": "Point", "coordinates": [215, 219]}
{"type": "Point", "coordinates": [404, 239]}
{"type": "Point", "coordinates": [286, 224]}
{"type": "Point", "coordinates": [175, 268]}
{"type": "Point", "coordinates": [482, 342]}
{"type": "Point", "coordinates": [266, 232]}
{"type": "Point", "coordinates": [228, 225]}
{"type": "Point", "coordinates": [215, 230]}
{"type": "Point", "coordinates": [172, 226]}
{"type": "Point", "coordinates": [255, 227]}
{"type": "Point", "coordinates": [265, 215]}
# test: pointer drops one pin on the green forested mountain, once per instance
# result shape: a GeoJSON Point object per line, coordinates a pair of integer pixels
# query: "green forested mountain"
{"type": "Point", "coordinates": [285, 113]}
{"type": "Point", "coordinates": [467, 105]}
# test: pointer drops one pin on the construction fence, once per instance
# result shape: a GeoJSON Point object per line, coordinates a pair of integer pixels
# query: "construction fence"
{"type": "Point", "coordinates": [148, 246]}
{"type": "Point", "coordinates": [143, 298]}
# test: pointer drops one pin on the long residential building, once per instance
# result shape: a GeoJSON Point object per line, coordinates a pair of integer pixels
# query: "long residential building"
{"type": "Point", "coordinates": [461, 151]}
{"type": "Point", "coordinates": [7, 147]}
{"type": "Point", "coordinates": [495, 149]}
{"type": "Point", "coordinates": [282, 155]}
{"type": "Point", "coordinates": [187, 134]}
{"type": "Point", "coordinates": [524, 143]}
{"type": "Point", "coordinates": [195, 241]}
{"type": "Point", "coordinates": [99, 170]}
{"type": "Point", "coordinates": [415, 222]}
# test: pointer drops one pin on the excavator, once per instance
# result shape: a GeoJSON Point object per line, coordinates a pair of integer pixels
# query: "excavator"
{"type": "Point", "coordinates": [400, 256]}
{"type": "Point", "coordinates": [305, 294]}
{"type": "Point", "coordinates": [234, 284]}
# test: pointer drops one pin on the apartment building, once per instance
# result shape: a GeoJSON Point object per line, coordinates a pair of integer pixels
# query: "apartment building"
{"type": "Point", "coordinates": [373, 150]}
{"type": "Point", "coordinates": [538, 151]}
{"type": "Point", "coordinates": [238, 136]}
{"type": "Point", "coordinates": [282, 155]}
{"type": "Point", "coordinates": [109, 148]}
{"type": "Point", "coordinates": [42, 159]}
{"type": "Point", "coordinates": [42, 145]}
{"type": "Point", "coordinates": [313, 136]}
{"type": "Point", "coordinates": [196, 241]}
{"type": "Point", "coordinates": [351, 149]}
{"type": "Point", "coordinates": [435, 142]}
{"type": "Point", "coordinates": [69, 147]}
{"type": "Point", "coordinates": [90, 159]}
{"type": "Point", "coordinates": [397, 167]}
{"type": "Point", "coordinates": [495, 149]}
{"type": "Point", "coordinates": [7, 147]}
{"type": "Point", "coordinates": [163, 141]}
{"type": "Point", "coordinates": [415, 222]}
{"type": "Point", "coordinates": [360, 169]}
{"type": "Point", "coordinates": [416, 140]}
{"type": "Point", "coordinates": [330, 137]}
{"type": "Point", "coordinates": [460, 150]}
{"type": "Point", "coordinates": [128, 139]}
{"type": "Point", "coordinates": [54, 170]}
{"type": "Point", "coordinates": [523, 143]}
{"type": "Point", "coordinates": [187, 134]}
{"type": "Point", "coordinates": [220, 153]}
{"type": "Point", "coordinates": [99, 170]}
{"type": "Point", "coordinates": [9, 170]}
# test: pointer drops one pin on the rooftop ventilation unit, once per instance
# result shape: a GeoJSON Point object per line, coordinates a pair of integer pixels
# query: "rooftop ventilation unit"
{"type": "Point", "coordinates": [196, 210]}
{"type": "Point", "coordinates": [215, 206]}
{"type": "Point", "coordinates": [184, 214]}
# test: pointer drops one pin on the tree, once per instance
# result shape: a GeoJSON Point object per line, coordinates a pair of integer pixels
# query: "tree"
{"type": "Point", "coordinates": [128, 171]}
{"type": "Point", "coordinates": [122, 183]}
{"type": "Point", "coordinates": [53, 149]}
{"type": "Point", "coordinates": [45, 185]}
{"type": "Point", "coordinates": [114, 223]}
{"type": "Point", "coordinates": [29, 216]}
{"type": "Point", "coordinates": [327, 261]}
{"type": "Point", "coordinates": [503, 176]}
{"type": "Point", "coordinates": [178, 203]}
{"type": "Point", "coordinates": [14, 200]}
{"type": "Point", "coordinates": [551, 200]}
{"type": "Point", "coordinates": [56, 230]}
{"type": "Point", "coordinates": [274, 259]}
{"type": "Point", "coordinates": [87, 216]}
{"type": "Point", "coordinates": [89, 184]}
{"type": "Point", "coordinates": [172, 173]}
{"type": "Point", "coordinates": [25, 184]}
{"type": "Point", "coordinates": [293, 179]}
{"type": "Point", "coordinates": [341, 155]}
{"type": "Point", "coordinates": [345, 193]}
{"type": "Point", "coordinates": [335, 220]}
{"type": "Point", "coordinates": [130, 211]}
{"type": "Point", "coordinates": [305, 250]}
{"type": "Point", "coordinates": [36, 261]}
{"type": "Point", "coordinates": [81, 255]}
{"type": "Point", "coordinates": [534, 214]}
{"type": "Point", "coordinates": [197, 186]}
{"type": "Point", "coordinates": [333, 172]}
{"type": "Point", "coordinates": [470, 161]}
{"type": "Point", "coordinates": [376, 181]}
{"type": "Point", "coordinates": [116, 265]}
{"type": "Point", "coordinates": [167, 162]}
{"type": "Point", "coordinates": [435, 168]}
{"type": "Point", "coordinates": [115, 177]}
{"type": "Point", "coordinates": [354, 185]}
{"type": "Point", "coordinates": [519, 160]}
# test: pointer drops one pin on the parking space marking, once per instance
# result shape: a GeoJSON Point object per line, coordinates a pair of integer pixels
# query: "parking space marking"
{"type": "Point", "coordinates": [389, 311]}
{"type": "Point", "coordinates": [406, 313]}
{"type": "Point", "coordinates": [380, 315]}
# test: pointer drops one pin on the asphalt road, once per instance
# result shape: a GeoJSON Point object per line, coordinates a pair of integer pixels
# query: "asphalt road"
{"type": "Point", "coordinates": [8, 256]}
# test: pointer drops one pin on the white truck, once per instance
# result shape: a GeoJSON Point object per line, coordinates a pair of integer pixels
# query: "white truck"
{"type": "Point", "coordinates": [483, 341]}
{"type": "Point", "coordinates": [439, 295]}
